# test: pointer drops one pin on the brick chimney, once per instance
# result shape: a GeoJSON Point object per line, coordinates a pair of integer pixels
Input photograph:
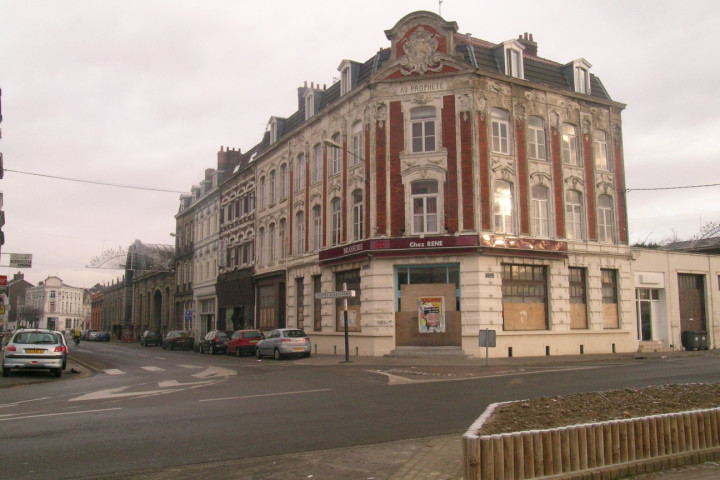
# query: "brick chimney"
{"type": "Point", "coordinates": [531, 48]}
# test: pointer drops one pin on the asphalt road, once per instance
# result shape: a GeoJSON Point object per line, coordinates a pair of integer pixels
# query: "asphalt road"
{"type": "Point", "coordinates": [149, 409]}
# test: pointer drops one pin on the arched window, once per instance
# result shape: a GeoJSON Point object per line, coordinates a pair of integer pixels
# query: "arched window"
{"type": "Point", "coordinates": [540, 211]}
{"type": "Point", "coordinates": [536, 138]}
{"type": "Point", "coordinates": [574, 215]}
{"type": "Point", "coordinates": [357, 143]}
{"type": "Point", "coordinates": [283, 181]}
{"type": "Point", "coordinates": [424, 201]}
{"type": "Point", "coordinates": [261, 247]}
{"type": "Point", "coordinates": [317, 228]}
{"type": "Point", "coordinates": [300, 173]}
{"type": "Point", "coordinates": [335, 155]}
{"type": "Point", "coordinates": [317, 163]}
{"type": "Point", "coordinates": [272, 188]}
{"type": "Point", "coordinates": [271, 243]}
{"type": "Point", "coordinates": [503, 207]}
{"type": "Point", "coordinates": [261, 193]}
{"type": "Point", "coordinates": [569, 145]}
{"type": "Point", "coordinates": [335, 207]}
{"type": "Point", "coordinates": [422, 125]}
{"type": "Point", "coordinates": [500, 122]}
{"type": "Point", "coordinates": [281, 238]}
{"type": "Point", "coordinates": [300, 233]}
{"type": "Point", "coordinates": [606, 219]}
{"type": "Point", "coordinates": [358, 216]}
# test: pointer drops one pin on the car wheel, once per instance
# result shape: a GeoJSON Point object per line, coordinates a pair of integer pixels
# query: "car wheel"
{"type": "Point", "coordinates": [257, 353]}
{"type": "Point", "coordinates": [276, 354]}
{"type": "Point", "coordinates": [5, 372]}
{"type": "Point", "coordinates": [57, 372]}
{"type": "Point", "coordinates": [64, 364]}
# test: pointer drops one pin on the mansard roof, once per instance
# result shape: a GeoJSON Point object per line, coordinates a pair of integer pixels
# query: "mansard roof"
{"type": "Point", "coordinates": [471, 53]}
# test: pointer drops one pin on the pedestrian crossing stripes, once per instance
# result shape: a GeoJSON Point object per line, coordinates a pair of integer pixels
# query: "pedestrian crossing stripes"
{"type": "Point", "coordinates": [149, 368]}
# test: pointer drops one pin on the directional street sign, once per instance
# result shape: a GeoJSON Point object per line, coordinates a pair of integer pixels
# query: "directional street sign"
{"type": "Point", "coordinates": [338, 294]}
{"type": "Point", "coordinates": [20, 260]}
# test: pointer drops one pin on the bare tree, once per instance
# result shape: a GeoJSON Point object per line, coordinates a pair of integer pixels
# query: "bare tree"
{"type": "Point", "coordinates": [27, 314]}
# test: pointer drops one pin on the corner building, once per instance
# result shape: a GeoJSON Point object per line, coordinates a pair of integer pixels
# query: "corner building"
{"type": "Point", "coordinates": [456, 185]}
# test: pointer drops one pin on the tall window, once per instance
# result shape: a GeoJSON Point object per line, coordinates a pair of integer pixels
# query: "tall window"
{"type": "Point", "coordinates": [281, 238]}
{"type": "Point", "coordinates": [609, 298]}
{"type": "Point", "coordinates": [273, 191]}
{"type": "Point", "coordinates": [261, 193]}
{"type": "Point", "coordinates": [271, 243]}
{"type": "Point", "coordinates": [536, 138]}
{"type": "Point", "coordinates": [317, 164]}
{"type": "Point", "coordinates": [513, 63]}
{"type": "Point", "coordinates": [283, 181]}
{"type": "Point", "coordinates": [574, 215]}
{"type": "Point", "coordinates": [500, 131]}
{"type": "Point", "coordinates": [503, 207]}
{"type": "Point", "coordinates": [578, 298]}
{"type": "Point", "coordinates": [422, 123]}
{"type": "Point", "coordinates": [600, 151]}
{"type": "Point", "coordinates": [424, 199]}
{"type": "Point", "coordinates": [582, 80]}
{"type": "Point", "coordinates": [335, 207]}
{"type": "Point", "coordinates": [300, 173]}
{"type": "Point", "coordinates": [335, 155]}
{"type": "Point", "coordinates": [357, 143]}
{"type": "Point", "coordinates": [317, 228]}
{"type": "Point", "coordinates": [300, 233]}
{"type": "Point", "coordinates": [261, 247]}
{"type": "Point", "coordinates": [606, 220]}
{"type": "Point", "coordinates": [569, 145]}
{"type": "Point", "coordinates": [540, 211]}
{"type": "Point", "coordinates": [358, 217]}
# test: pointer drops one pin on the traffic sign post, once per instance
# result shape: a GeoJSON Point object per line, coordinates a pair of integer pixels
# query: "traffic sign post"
{"type": "Point", "coordinates": [344, 294]}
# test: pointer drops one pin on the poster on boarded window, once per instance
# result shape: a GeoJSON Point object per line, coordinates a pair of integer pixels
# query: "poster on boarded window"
{"type": "Point", "coordinates": [431, 314]}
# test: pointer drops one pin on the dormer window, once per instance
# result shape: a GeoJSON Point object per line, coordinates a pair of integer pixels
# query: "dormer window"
{"type": "Point", "coordinates": [309, 104]}
{"type": "Point", "coordinates": [348, 75]}
{"type": "Point", "coordinates": [512, 58]}
{"type": "Point", "coordinates": [273, 130]}
{"type": "Point", "coordinates": [580, 75]}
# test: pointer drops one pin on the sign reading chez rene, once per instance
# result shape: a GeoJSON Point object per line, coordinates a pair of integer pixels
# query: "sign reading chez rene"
{"type": "Point", "coordinates": [414, 243]}
{"type": "Point", "coordinates": [422, 88]}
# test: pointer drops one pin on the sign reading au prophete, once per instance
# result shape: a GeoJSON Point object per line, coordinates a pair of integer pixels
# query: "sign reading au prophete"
{"type": "Point", "coordinates": [21, 260]}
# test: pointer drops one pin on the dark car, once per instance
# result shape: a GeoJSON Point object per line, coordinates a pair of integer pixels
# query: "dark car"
{"type": "Point", "coordinates": [103, 337]}
{"type": "Point", "coordinates": [243, 342]}
{"type": "Point", "coordinates": [214, 342]}
{"type": "Point", "coordinates": [178, 339]}
{"type": "Point", "coordinates": [150, 337]}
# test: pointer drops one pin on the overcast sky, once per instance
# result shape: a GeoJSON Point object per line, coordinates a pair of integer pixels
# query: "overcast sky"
{"type": "Point", "coordinates": [145, 92]}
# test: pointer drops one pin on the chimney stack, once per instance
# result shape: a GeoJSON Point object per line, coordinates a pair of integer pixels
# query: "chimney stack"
{"type": "Point", "coordinates": [531, 48]}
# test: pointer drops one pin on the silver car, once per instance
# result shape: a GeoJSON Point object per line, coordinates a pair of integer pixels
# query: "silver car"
{"type": "Point", "coordinates": [284, 342]}
{"type": "Point", "coordinates": [32, 349]}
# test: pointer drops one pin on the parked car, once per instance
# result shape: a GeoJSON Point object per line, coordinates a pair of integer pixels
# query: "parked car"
{"type": "Point", "coordinates": [214, 342]}
{"type": "Point", "coordinates": [178, 339]}
{"type": "Point", "coordinates": [93, 335]}
{"type": "Point", "coordinates": [6, 336]}
{"type": "Point", "coordinates": [284, 342]}
{"type": "Point", "coordinates": [243, 341]}
{"type": "Point", "coordinates": [150, 337]}
{"type": "Point", "coordinates": [103, 337]}
{"type": "Point", "coordinates": [30, 349]}
{"type": "Point", "coordinates": [61, 336]}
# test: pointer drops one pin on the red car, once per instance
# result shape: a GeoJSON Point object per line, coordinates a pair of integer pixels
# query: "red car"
{"type": "Point", "coordinates": [243, 341]}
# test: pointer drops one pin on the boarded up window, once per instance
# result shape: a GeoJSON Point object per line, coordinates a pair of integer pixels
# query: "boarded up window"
{"type": "Point", "coordinates": [524, 289]}
{"type": "Point", "coordinates": [578, 298]}
{"type": "Point", "coordinates": [609, 298]}
{"type": "Point", "coordinates": [692, 302]}
{"type": "Point", "coordinates": [266, 299]}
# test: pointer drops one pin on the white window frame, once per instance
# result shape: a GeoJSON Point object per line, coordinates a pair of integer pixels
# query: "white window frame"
{"type": "Point", "coordinates": [317, 227]}
{"type": "Point", "coordinates": [336, 213]}
{"type": "Point", "coordinates": [309, 104]}
{"type": "Point", "coordinates": [358, 215]}
{"type": "Point", "coordinates": [283, 181]}
{"type": "Point", "coordinates": [317, 163]}
{"type": "Point", "coordinates": [569, 141]}
{"type": "Point", "coordinates": [300, 233]}
{"type": "Point", "coordinates": [335, 156]}
{"type": "Point", "coordinates": [537, 149]}
{"type": "Point", "coordinates": [423, 129]}
{"type": "Point", "coordinates": [503, 207]}
{"type": "Point", "coordinates": [273, 130]}
{"type": "Point", "coordinates": [300, 172]}
{"type": "Point", "coordinates": [281, 237]}
{"type": "Point", "coordinates": [261, 193]}
{"type": "Point", "coordinates": [606, 219]}
{"type": "Point", "coordinates": [272, 188]}
{"type": "Point", "coordinates": [357, 143]}
{"type": "Point", "coordinates": [500, 131]}
{"type": "Point", "coordinates": [600, 151]}
{"type": "Point", "coordinates": [574, 215]}
{"type": "Point", "coordinates": [425, 207]}
{"type": "Point", "coordinates": [540, 214]}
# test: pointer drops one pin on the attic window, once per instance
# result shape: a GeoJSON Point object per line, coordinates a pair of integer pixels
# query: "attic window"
{"type": "Point", "coordinates": [309, 104]}
{"type": "Point", "coordinates": [513, 58]}
{"type": "Point", "coordinates": [273, 131]}
{"type": "Point", "coordinates": [345, 83]}
{"type": "Point", "coordinates": [581, 76]}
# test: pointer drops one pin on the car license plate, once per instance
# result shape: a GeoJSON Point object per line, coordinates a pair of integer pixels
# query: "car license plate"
{"type": "Point", "coordinates": [298, 349]}
{"type": "Point", "coordinates": [34, 350]}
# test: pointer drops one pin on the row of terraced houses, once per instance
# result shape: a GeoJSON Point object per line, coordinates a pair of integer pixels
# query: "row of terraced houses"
{"type": "Point", "coordinates": [458, 186]}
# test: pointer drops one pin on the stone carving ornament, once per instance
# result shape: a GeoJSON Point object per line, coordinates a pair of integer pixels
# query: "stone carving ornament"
{"type": "Point", "coordinates": [421, 55]}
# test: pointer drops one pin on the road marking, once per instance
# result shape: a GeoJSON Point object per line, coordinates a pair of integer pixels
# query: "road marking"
{"type": "Point", "coordinates": [116, 393]}
{"type": "Point", "coordinates": [58, 414]}
{"type": "Point", "coordinates": [153, 369]}
{"type": "Point", "coordinates": [15, 404]}
{"type": "Point", "coordinates": [114, 371]}
{"type": "Point", "coordinates": [175, 383]}
{"type": "Point", "coordinates": [215, 372]}
{"type": "Point", "coordinates": [265, 395]}
{"type": "Point", "coordinates": [190, 366]}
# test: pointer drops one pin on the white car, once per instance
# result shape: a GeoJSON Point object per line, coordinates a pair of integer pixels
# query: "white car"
{"type": "Point", "coordinates": [35, 349]}
{"type": "Point", "coordinates": [284, 342]}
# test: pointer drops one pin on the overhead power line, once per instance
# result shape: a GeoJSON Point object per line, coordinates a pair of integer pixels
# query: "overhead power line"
{"type": "Point", "coordinates": [674, 188]}
{"type": "Point", "coordinates": [94, 182]}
